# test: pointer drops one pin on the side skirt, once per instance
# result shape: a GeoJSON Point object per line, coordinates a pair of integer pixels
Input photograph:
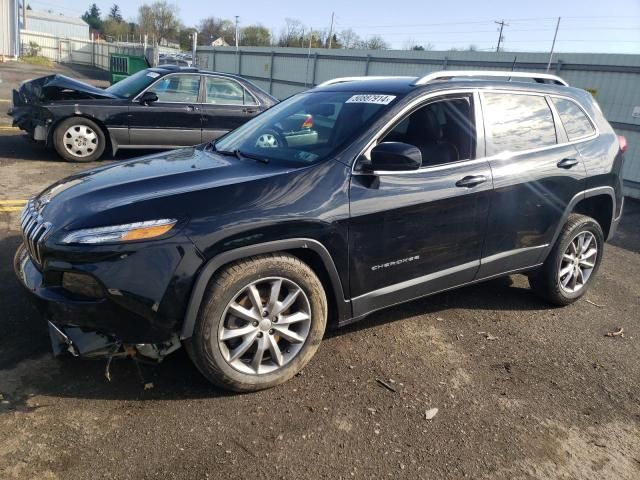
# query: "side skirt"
{"type": "Point", "coordinates": [349, 321]}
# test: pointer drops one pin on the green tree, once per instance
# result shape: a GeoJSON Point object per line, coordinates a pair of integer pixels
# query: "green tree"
{"type": "Point", "coordinates": [92, 17]}
{"type": "Point", "coordinates": [186, 38]}
{"type": "Point", "coordinates": [256, 36]}
{"type": "Point", "coordinates": [114, 13]}
{"type": "Point", "coordinates": [114, 30]}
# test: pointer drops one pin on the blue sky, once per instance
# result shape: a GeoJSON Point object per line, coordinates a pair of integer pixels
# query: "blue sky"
{"type": "Point", "coordinates": [610, 26]}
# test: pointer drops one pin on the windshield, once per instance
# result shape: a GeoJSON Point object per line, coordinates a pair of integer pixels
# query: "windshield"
{"type": "Point", "coordinates": [131, 86]}
{"type": "Point", "coordinates": [306, 128]}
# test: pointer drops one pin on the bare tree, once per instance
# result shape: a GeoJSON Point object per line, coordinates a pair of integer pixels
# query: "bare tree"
{"type": "Point", "coordinates": [159, 19]}
{"type": "Point", "coordinates": [349, 39]}
{"type": "Point", "coordinates": [292, 34]}
{"type": "Point", "coordinates": [212, 28]}
{"type": "Point", "coordinates": [375, 42]}
{"type": "Point", "coordinates": [412, 44]}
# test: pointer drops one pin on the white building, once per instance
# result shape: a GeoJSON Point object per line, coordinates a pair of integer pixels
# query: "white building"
{"type": "Point", "coordinates": [9, 29]}
{"type": "Point", "coordinates": [56, 24]}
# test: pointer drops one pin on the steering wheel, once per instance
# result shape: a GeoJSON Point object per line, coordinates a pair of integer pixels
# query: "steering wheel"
{"type": "Point", "coordinates": [271, 138]}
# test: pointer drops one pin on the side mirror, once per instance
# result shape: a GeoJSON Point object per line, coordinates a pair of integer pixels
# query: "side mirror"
{"type": "Point", "coordinates": [395, 156]}
{"type": "Point", "coordinates": [148, 97]}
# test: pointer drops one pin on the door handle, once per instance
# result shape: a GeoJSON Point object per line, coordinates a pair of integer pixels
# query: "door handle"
{"type": "Point", "coordinates": [471, 181]}
{"type": "Point", "coordinates": [191, 108]}
{"type": "Point", "coordinates": [567, 162]}
{"type": "Point", "coordinates": [249, 110]}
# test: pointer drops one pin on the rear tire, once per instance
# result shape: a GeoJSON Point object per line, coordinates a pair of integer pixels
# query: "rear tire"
{"type": "Point", "coordinates": [573, 262]}
{"type": "Point", "coordinates": [250, 334]}
{"type": "Point", "coordinates": [78, 139]}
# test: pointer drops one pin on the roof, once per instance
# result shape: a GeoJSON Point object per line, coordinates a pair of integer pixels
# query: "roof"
{"type": "Point", "coordinates": [55, 17]}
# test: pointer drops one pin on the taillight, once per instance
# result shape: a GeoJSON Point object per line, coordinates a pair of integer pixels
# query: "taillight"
{"type": "Point", "coordinates": [623, 143]}
{"type": "Point", "coordinates": [308, 122]}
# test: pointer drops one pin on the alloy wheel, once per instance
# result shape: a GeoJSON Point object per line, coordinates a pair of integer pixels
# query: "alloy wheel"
{"type": "Point", "coordinates": [578, 262]}
{"type": "Point", "coordinates": [80, 140]}
{"type": "Point", "coordinates": [264, 326]}
{"type": "Point", "coordinates": [267, 140]}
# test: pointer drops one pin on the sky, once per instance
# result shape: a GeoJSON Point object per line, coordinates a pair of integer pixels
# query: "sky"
{"type": "Point", "coordinates": [602, 26]}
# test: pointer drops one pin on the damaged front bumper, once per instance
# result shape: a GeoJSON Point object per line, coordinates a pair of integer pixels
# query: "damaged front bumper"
{"type": "Point", "coordinates": [66, 319]}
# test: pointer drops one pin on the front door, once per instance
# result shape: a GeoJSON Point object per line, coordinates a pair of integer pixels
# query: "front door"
{"type": "Point", "coordinates": [172, 121]}
{"type": "Point", "coordinates": [417, 232]}
{"type": "Point", "coordinates": [536, 173]}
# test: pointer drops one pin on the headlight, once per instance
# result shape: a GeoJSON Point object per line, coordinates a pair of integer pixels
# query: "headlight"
{"type": "Point", "coordinates": [121, 233]}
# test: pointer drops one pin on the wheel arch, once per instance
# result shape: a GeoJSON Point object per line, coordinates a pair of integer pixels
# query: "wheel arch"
{"type": "Point", "coordinates": [308, 250]}
{"type": "Point", "coordinates": [596, 193]}
{"type": "Point", "coordinates": [600, 207]}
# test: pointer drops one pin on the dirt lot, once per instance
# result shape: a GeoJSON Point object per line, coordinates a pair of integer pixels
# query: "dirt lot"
{"type": "Point", "coordinates": [523, 390]}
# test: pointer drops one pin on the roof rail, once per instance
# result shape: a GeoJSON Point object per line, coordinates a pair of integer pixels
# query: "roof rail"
{"type": "Point", "coordinates": [354, 79]}
{"type": "Point", "coordinates": [449, 74]}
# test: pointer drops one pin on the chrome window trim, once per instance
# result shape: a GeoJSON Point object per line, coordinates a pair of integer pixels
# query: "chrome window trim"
{"type": "Point", "coordinates": [477, 94]}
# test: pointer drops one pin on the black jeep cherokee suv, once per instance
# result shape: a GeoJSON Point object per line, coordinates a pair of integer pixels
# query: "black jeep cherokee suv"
{"type": "Point", "coordinates": [394, 188]}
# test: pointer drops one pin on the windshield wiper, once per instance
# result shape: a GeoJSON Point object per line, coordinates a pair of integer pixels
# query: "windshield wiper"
{"type": "Point", "coordinates": [238, 153]}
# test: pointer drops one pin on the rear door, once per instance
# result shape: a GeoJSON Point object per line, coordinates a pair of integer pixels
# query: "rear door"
{"type": "Point", "coordinates": [226, 106]}
{"type": "Point", "coordinates": [420, 231]}
{"type": "Point", "coordinates": [174, 120]}
{"type": "Point", "coordinates": [536, 173]}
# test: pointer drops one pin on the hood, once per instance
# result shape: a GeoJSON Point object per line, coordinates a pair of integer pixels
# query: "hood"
{"type": "Point", "coordinates": [57, 87]}
{"type": "Point", "coordinates": [143, 186]}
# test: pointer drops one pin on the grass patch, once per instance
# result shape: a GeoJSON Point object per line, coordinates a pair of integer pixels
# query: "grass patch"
{"type": "Point", "coordinates": [37, 60]}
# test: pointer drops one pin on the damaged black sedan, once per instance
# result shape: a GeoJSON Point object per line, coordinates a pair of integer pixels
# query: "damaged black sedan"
{"type": "Point", "coordinates": [164, 107]}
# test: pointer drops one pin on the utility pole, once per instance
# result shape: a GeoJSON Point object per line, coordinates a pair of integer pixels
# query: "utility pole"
{"type": "Point", "coordinates": [24, 14]}
{"type": "Point", "coordinates": [331, 29]}
{"type": "Point", "coordinates": [502, 25]}
{"type": "Point", "coordinates": [194, 56]}
{"type": "Point", "coordinates": [237, 50]}
{"type": "Point", "coordinates": [237, 18]}
{"type": "Point", "coordinates": [553, 44]}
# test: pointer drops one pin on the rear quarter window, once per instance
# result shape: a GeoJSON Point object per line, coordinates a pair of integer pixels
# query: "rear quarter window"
{"type": "Point", "coordinates": [516, 122]}
{"type": "Point", "coordinates": [575, 121]}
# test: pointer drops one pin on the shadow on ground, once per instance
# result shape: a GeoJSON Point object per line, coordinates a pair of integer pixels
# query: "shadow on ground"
{"type": "Point", "coordinates": [629, 229]}
{"type": "Point", "coordinates": [17, 146]}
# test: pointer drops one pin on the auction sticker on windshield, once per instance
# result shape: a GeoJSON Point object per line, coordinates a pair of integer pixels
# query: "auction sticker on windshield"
{"type": "Point", "coordinates": [377, 99]}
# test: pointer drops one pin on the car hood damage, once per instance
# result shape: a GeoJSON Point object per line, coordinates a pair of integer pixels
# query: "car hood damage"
{"type": "Point", "coordinates": [54, 88]}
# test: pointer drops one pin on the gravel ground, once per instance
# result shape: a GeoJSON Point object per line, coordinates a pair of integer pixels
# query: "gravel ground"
{"type": "Point", "coordinates": [522, 390]}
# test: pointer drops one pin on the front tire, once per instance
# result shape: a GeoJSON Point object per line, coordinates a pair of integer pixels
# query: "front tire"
{"type": "Point", "coordinates": [78, 139]}
{"type": "Point", "coordinates": [261, 321]}
{"type": "Point", "coordinates": [571, 266]}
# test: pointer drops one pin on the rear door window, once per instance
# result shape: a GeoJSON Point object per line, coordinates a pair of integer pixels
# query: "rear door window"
{"type": "Point", "coordinates": [517, 122]}
{"type": "Point", "coordinates": [221, 91]}
{"type": "Point", "coordinates": [575, 121]}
